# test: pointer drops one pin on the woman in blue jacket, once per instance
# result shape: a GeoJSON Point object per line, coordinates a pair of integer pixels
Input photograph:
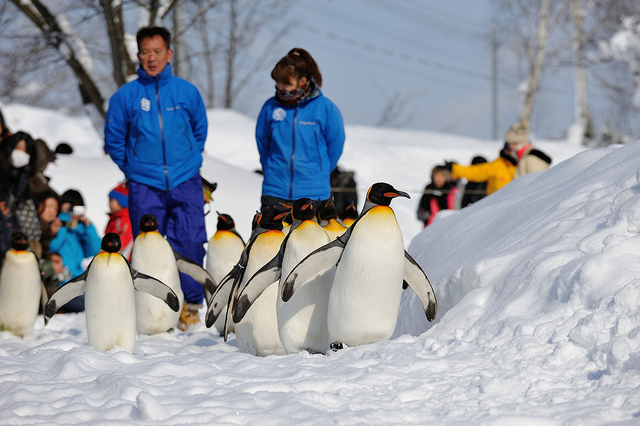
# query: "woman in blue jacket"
{"type": "Point", "coordinates": [300, 133]}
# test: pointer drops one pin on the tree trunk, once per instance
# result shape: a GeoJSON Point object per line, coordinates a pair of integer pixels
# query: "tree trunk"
{"type": "Point", "coordinates": [40, 15]}
{"type": "Point", "coordinates": [123, 65]}
{"type": "Point", "coordinates": [537, 62]}
{"type": "Point", "coordinates": [231, 54]}
{"type": "Point", "coordinates": [582, 122]}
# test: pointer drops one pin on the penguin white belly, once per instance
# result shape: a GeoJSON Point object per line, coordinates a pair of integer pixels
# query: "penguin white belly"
{"type": "Point", "coordinates": [109, 300]}
{"type": "Point", "coordinates": [257, 333]}
{"type": "Point", "coordinates": [153, 255]}
{"type": "Point", "coordinates": [223, 253]}
{"type": "Point", "coordinates": [302, 320]}
{"type": "Point", "coordinates": [365, 296]}
{"type": "Point", "coordinates": [20, 291]}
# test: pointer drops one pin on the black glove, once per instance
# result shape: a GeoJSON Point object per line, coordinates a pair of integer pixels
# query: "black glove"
{"type": "Point", "coordinates": [448, 165]}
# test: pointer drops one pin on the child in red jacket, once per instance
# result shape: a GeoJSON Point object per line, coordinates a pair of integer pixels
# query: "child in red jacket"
{"type": "Point", "coordinates": [119, 221]}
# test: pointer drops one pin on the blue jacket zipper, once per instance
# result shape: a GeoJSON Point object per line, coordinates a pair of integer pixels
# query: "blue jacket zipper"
{"type": "Point", "coordinates": [164, 149]}
{"type": "Point", "coordinates": [293, 153]}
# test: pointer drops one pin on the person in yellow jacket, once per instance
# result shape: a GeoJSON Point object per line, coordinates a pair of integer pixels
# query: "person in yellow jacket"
{"type": "Point", "coordinates": [500, 171]}
{"type": "Point", "coordinates": [497, 173]}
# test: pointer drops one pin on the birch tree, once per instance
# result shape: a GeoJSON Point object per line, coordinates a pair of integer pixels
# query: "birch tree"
{"type": "Point", "coordinates": [582, 128]}
{"type": "Point", "coordinates": [530, 28]}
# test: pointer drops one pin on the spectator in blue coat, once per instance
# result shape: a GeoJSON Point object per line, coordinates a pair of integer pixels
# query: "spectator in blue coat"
{"type": "Point", "coordinates": [76, 239]}
{"type": "Point", "coordinates": [300, 134]}
{"type": "Point", "coordinates": [155, 131]}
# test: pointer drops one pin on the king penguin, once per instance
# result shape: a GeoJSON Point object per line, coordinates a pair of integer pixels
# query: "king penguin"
{"type": "Point", "coordinates": [327, 215]}
{"type": "Point", "coordinates": [20, 288]}
{"type": "Point", "coordinates": [302, 320]}
{"type": "Point", "coordinates": [152, 255]}
{"type": "Point", "coordinates": [257, 334]}
{"type": "Point", "coordinates": [349, 214]}
{"type": "Point", "coordinates": [372, 266]}
{"type": "Point", "coordinates": [108, 284]}
{"type": "Point", "coordinates": [223, 252]}
{"type": "Point", "coordinates": [218, 303]}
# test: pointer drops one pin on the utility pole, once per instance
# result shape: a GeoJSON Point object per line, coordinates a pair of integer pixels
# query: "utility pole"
{"type": "Point", "coordinates": [494, 73]}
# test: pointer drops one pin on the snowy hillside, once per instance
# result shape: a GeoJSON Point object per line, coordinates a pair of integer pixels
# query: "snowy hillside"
{"type": "Point", "coordinates": [538, 291]}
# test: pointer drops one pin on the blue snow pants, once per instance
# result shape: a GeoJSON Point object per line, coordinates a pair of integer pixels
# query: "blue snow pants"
{"type": "Point", "coordinates": [180, 214]}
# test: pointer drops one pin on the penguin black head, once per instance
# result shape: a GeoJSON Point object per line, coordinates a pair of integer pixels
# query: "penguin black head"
{"type": "Point", "coordinates": [349, 212]}
{"type": "Point", "coordinates": [382, 193]}
{"type": "Point", "coordinates": [225, 222]}
{"type": "Point", "coordinates": [271, 219]}
{"type": "Point", "coordinates": [327, 210]}
{"type": "Point", "coordinates": [19, 241]}
{"type": "Point", "coordinates": [111, 243]}
{"type": "Point", "coordinates": [303, 209]}
{"type": "Point", "coordinates": [148, 223]}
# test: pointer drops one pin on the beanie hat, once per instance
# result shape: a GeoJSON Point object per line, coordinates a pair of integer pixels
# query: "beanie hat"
{"type": "Point", "coordinates": [73, 197]}
{"type": "Point", "coordinates": [121, 194]}
{"type": "Point", "coordinates": [518, 133]}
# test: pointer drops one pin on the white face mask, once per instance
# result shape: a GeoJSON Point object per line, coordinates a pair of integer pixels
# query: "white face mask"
{"type": "Point", "coordinates": [19, 158]}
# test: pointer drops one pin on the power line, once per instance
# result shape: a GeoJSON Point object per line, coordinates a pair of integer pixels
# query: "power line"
{"type": "Point", "coordinates": [383, 30]}
{"type": "Point", "coordinates": [421, 18]}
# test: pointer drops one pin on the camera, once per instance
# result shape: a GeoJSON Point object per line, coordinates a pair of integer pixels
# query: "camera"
{"type": "Point", "coordinates": [78, 210]}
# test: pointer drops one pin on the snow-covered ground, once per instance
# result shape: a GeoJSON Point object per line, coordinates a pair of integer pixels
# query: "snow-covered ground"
{"type": "Point", "coordinates": [538, 289]}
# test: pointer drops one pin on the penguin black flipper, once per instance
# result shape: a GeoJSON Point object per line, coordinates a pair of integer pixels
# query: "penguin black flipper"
{"type": "Point", "coordinates": [233, 295]}
{"type": "Point", "coordinates": [44, 297]}
{"type": "Point", "coordinates": [256, 285]}
{"type": "Point", "coordinates": [415, 277]}
{"type": "Point", "coordinates": [65, 293]}
{"type": "Point", "coordinates": [153, 286]}
{"type": "Point", "coordinates": [220, 297]}
{"type": "Point", "coordinates": [316, 262]}
{"type": "Point", "coordinates": [197, 272]}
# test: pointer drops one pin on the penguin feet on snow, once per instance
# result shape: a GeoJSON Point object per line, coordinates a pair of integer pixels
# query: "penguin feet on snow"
{"type": "Point", "coordinates": [335, 346]}
{"type": "Point", "coordinates": [108, 284]}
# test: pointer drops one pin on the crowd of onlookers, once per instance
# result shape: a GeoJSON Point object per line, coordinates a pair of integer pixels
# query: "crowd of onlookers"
{"type": "Point", "coordinates": [59, 230]}
{"type": "Point", "coordinates": [517, 157]}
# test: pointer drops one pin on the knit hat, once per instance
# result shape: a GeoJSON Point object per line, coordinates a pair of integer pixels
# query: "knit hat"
{"type": "Point", "coordinates": [73, 197]}
{"type": "Point", "coordinates": [121, 194]}
{"type": "Point", "coordinates": [518, 133]}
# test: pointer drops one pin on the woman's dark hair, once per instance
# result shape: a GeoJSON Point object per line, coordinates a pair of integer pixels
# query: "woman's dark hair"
{"type": "Point", "coordinates": [9, 144]}
{"type": "Point", "coordinates": [42, 196]}
{"type": "Point", "coordinates": [4, 131]}
{"type": "Point", "coordinates": [297, 64]}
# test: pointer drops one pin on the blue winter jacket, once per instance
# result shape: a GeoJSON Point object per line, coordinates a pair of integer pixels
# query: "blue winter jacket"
{"type": "Point", "coordinates": [299, 147]}
{"type": "Point", "coordinates": [75, 244]}
{"type": "Point", "coordinates": [156, 128]}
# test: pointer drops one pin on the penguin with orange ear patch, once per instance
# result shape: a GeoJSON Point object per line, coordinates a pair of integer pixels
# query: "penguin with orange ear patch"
{"type": "Point", "coordinates": [108, 284]}
{"type": "Point", "coordinates": [371, 267]}
{"type": "Point", "coordinates": [328, 218]}
{"type": "Point", "coordinates": [301, 321]}
{"type": "Point", "coordinates": [20, 288]}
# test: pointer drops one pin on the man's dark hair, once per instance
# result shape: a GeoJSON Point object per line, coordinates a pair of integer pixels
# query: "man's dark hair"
{"type": "Point", "coordinates": [148, 32]}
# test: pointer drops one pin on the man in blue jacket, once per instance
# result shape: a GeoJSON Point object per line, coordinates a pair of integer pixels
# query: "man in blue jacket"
{"type": "Point", "coordinates": [155, 131]}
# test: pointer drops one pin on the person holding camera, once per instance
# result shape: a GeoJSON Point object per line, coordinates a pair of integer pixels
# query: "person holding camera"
{"type": "Point", "coordinates": [76, 239]}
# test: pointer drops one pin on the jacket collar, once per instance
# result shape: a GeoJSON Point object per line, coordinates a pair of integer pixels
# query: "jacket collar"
{"type": "Point", "coordinates": [161, 78]}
